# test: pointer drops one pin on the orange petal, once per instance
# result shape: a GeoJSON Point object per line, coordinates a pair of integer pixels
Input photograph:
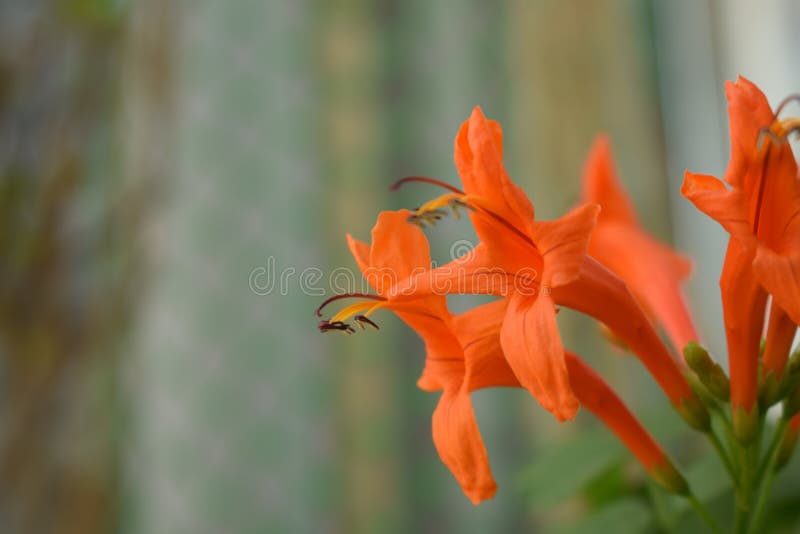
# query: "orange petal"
{"type": "Point", "coordinates": [601, 294]}
{"type": "Point", "coordinates": [775, 196]}
{"type": "Point", "coordinates": [652, 271]}
{"type": "Point", "coordinates": [479, 333]}
{"type": "Point", "coordinates": [726, 206]}
{"type": "Point", "coordinates": [779, 274]}
{"type": "Point", "coordinates": [532, 346]}
{"type": "Point", "coordinates": [463, 348]}
{"type": "Point", "coordinates": [444, 357]}
{"type": "Point", "coordinates": [597, 396]}
{"type": "Point", "coordinates": [748, 113]}
{"type": "Point", "coordinates": [601, 186]}
{"type": "Point", "coordinates": [479, 159]}
{"type": "Point", "coordinates": [360, 252]}
{"type": "Point", "coordinates": [563, 243]}
{"type": "Point", "coordinates": [743, 304]}
{"type": "Point", "coordinates": [399, 250]}
{"type": "Point", "coordinates": [473, 273]}
{"type": "Point", "coordinates": [460, 446]}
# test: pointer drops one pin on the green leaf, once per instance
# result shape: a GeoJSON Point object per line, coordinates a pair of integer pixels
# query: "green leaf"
{"type": "Point", "coordinates": [709, 482]}
{"type": "Point", "coordinates": [608, 486]}
{"type": "Point", "coordinates": [563, 469]}
{"type": "Point", "coordinates": [626, 516]}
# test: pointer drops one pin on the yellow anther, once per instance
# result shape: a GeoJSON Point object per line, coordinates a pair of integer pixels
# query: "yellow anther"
{"type": "Point", "coordinates": [438, 202]}
{"type": "Point", "coordinates": [356, 309]}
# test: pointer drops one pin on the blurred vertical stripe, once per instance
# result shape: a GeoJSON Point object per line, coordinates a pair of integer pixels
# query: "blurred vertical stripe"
{"type": "Point", "coordinates": [580, 69]}
{"type": "Point", "coordinates": [444, 59]}
{"type": "Point", "coordinates": [294, 118]}
{"type": "Point", "coordinates": [231, 420]}
{"type": "Point", "coordinates": [353, 143]}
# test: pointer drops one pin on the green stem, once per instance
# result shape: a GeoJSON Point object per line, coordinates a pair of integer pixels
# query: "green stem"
{"type": "Point", "coordinates": [723, 454]}
{"type": "Point", "coordinates": [761, 504]}
{"type": "Point", "coordinates": [744, 491]}
{"type": "Point", "coordinates": [703, 513]}
{"type": "Point", "coordinates": [777, 436]}
{"type": "Point", "coordinates": [768, 467]}
{"type": "Point", "coordinates": [659, 510]}
{"type": "Point", "coordinates": [727, 427]}
{"type": "Point", "coordinates": [740, 520]}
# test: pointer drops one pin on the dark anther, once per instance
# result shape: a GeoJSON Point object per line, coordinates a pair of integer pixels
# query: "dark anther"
{"type": "Point", "coordinates": [427, 217]}
{"type": "Point", "coordinates": [327, 326]}
{"type": "Point", "coordinates": [431, 217]}
{"type": "Point", "coordinates": [361, 320]}
{"type": "Point", "coordinates": [456, 205]}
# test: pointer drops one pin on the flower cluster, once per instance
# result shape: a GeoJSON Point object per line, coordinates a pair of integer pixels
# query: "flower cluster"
{"type": "Point", "coordinates": [596, 259]}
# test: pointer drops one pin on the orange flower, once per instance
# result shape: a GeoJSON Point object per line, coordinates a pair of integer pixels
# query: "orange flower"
{"type": "Point", "coordinates": [399, 252]}
{"type": "Point", "coordinates": [597, 396]}
{"type": "Point", "coordinates": [537, 265]}
{"type": "Point", "coordinates": [463, 354]}
{"type": "Point", "coordinates": [462, 351]}
{"type": "Point", "coordinates": [652, 271]}
{"type": "Point", "coordinates": [475, 361]}
{"type": "Point", "coordinates": [760, 211]}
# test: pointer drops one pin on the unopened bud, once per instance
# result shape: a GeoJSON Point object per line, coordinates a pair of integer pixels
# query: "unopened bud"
{"type": "Point", "coordinates": [707, 370]}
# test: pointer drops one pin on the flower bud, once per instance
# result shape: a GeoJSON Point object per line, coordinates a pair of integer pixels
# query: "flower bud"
{"type": "Point", "coordinates": [709, 372]}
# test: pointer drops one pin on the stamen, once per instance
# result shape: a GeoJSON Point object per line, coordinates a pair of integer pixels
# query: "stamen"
{"type": "Point", "coordinates": [427, 217]}
{"type": "Point", "coordinates": [778, 132]}
{"type": "Point", "coordinates": [784, 129]}
{"type": "Point", "coordinates": [434, 210]}
{"type": "Point", "coordinates": [785, 102]}
{"type": "Point", "coordinates": [431, 212]}
{"type": "Point", "coordinates": [327, 326]}
{"type": "Point", "coordinates": [361, 320]}
{"type": "Point", "coordinates": [334, 298]}
{"type": "Point", "coordinates": [355, 309]}
{"type": "Point", "coordinates": [424, 179]}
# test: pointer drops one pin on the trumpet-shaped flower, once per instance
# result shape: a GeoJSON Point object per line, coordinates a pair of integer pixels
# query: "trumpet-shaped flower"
{"type": "Point", "coordinates": [537, 265]}
{"type": "Point", "coordinates": [758, 203]}
{"type": "Point", "coordinates": [653, 272]}
{"type": "Point", "coordinates": [462, 351]}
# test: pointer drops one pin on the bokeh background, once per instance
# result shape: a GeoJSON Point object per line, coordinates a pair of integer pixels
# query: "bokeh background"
{"type": "Point", "coordinates": [176, 179]}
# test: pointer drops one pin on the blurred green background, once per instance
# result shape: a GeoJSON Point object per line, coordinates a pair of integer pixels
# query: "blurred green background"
{"type": "Point", "coordinates": [176, 181]}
